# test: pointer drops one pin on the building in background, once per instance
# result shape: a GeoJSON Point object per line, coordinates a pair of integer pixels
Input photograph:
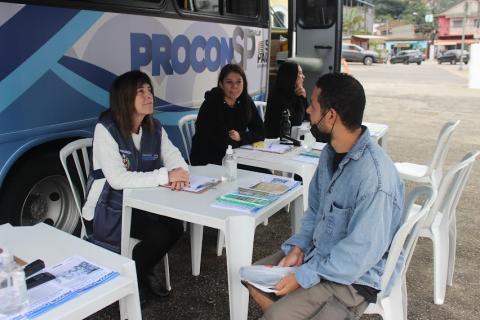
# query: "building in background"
{"type": "Point", "coordinates": [450, 26]}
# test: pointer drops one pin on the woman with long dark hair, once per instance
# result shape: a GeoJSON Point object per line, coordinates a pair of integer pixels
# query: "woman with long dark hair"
{"type": "Point", "coordinates": [288, 93]}
{"type": "Point", "coordinates": [228, 116]}
{"type": "Point", "coordinates": [132, 150]}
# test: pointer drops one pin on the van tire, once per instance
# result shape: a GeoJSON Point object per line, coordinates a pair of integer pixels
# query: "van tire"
{"type": "Point", "coordinates": [38, 191]}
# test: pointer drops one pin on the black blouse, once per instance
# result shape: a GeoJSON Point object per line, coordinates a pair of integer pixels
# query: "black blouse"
{"type": "Point", "coordinates": [215, 119]}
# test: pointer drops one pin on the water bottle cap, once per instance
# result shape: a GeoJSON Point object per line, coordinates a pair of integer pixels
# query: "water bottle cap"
{"type": "Point", "coordinates": [229, 149]}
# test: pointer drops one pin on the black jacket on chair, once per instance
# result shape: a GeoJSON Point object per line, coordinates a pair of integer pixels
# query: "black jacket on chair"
{"type": "Point", "coordinates": [215, 119]}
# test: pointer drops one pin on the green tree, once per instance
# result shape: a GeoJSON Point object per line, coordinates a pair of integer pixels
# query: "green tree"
{"type": "Point", "coordinates": [353, 22]}
{"type": "Point", "coordinates": [388, 8]}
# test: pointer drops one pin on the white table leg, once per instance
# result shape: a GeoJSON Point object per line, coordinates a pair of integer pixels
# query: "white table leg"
{"type": "Point", "coordinates": [307, 177]}
{"type": "Point", "coordinates": [196, 238]}
{"type": "Point", "coordinates": [296, 214]}
{"type": "Point", "coordinates": [239, 235]}
{"type": "Point", "coordinates": [125, 237]}
{"type": "Point", "coordinates": [130, 305]}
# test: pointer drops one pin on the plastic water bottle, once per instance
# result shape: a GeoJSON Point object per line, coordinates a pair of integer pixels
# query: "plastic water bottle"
{"type": "Point", "coordinates": [13, 288]}
{"type": "Point", "coordinates": [229, 164]}
{"type": "Point", "coordinates": [308, 141]}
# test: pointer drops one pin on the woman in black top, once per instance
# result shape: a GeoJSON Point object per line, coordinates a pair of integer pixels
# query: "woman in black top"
{"type": "Point", "coordinates": [228, 116]}
{"type": "Point", "coordinates": [288, 93]}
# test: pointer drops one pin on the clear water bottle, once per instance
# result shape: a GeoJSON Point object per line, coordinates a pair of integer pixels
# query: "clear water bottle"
{"type": "Point", "coordinates": [229, 164]}
{"type": "Point", "coordinates": [13, 288]}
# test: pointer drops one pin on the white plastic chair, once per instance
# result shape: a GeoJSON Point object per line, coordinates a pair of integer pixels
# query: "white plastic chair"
{"type": "Point", "coordinates": [440, 224]}
{"type": "Point", "coordinates": [82, 147]}
{"type": "Point", "coordinates": [433, 172]}
{"type": "Point", "coordinates": [186, 125]}
{"type": "Point", "coordinates": [392, 300]}
{"type": "Point", "coordinates": [261, 108]}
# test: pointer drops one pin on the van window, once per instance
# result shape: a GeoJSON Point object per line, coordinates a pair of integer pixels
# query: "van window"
{"type": "Point", "coordinates": [316, 13]}
{"type": "Point", "coordinates": [248, 8]}
{"type": "Point", "coordinates": [207, 6]}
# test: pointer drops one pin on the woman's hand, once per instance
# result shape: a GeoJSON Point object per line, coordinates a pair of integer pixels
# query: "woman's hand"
{"type": "Point", "coordinates": [300, 91]}
{"type": "Point", "coordinates": [234, 135]}
{"type": "Point", "coordinates": [293, 259]}
{"type": "Point", "coordinates": [178, 178]}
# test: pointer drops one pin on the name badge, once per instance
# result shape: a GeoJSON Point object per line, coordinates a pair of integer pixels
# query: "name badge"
{"type": "Point", "coordinates": [149, 156]}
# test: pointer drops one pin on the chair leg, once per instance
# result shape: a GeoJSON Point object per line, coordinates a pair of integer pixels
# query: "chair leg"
{"type": "Point", "coordinates": [167, 272]}
{"type": "Point", "coordinates": [440, 262]}
{"type": "Point", "coordinates": [452, 235]}
{"type": "Point", "coordinates": [220, 242]}
{"type": "Point", "coordinates": [394, 307]}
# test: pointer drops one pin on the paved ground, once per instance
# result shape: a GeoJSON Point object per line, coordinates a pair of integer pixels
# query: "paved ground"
{"type": "Point", "coordinates": [415, 101]}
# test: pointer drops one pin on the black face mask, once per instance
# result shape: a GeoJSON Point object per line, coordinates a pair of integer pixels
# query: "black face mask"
{"type": "Point", "coordinates": [319, 136]}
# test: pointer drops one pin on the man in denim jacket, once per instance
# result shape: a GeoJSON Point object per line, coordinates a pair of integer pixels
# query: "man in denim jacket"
{"type": "Point", "coordinates": [355, 207]}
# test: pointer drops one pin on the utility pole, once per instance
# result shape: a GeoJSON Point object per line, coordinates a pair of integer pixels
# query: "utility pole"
{"type": "Point", "coordinates": [465, 11]}
{"type": "Point", "coordinates": [477, 26]}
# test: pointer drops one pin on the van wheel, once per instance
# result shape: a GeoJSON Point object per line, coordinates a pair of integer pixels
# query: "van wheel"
{"type": "Point", "coordinates": [419, 62]}
{"type": "Point", "coordinates": [38, 191]}
{"type": "Point", "coordinates": [367, 61]}
{"type": "Point", "coordinates": [407, 61]}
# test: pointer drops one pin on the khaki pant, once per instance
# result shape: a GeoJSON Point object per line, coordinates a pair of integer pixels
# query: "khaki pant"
{"type": "Point", "coordinates": [324, 301]}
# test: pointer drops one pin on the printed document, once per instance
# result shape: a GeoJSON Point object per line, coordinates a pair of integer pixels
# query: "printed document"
{"type": "Point", "coordinates": [73, 276]}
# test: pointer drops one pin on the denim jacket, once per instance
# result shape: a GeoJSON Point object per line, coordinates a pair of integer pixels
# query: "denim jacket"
{"type": "Point", "coordinates": [352, 216]}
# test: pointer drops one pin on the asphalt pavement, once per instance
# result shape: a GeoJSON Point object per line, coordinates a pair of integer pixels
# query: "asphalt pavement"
{"type": "Point", "coordinates": [414, 101]}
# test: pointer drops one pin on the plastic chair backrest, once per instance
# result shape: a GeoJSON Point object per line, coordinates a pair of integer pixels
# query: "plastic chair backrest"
{"type": "Point", "coordinates": [78, 149]}
{"type": "Point", "coordinates": [261, 107]}
{"type": "Point", "coordinates": [441, 149]}
{"type": "Point", "coordinates": [405, 238]}
{"type": "Point", "coordinates": [186, 125]}
{"type": "Point", "coordinates": [451, 187]}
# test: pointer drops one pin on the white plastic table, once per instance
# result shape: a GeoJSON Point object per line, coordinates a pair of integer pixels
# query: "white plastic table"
{"type": "Point", "coordinates": [285, 162]}
{"type": "Point", "coordinates": [53, 246]}
{"type": "Point", "coordinates": [280, 162]}
{"type": "Point", "coordinates": [238, 227]}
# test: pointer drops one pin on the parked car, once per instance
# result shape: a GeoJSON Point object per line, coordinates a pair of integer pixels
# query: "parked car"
{"type": "Point", "coordinates": [354, 53]}
{"type": "Point", "coordinates": [453, 56]}
{"type": "Point", "coordinates": [408, 56]}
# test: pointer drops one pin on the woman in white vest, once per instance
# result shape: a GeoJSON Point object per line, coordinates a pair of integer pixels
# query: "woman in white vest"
{"type": "Point", "coordinates": [132, 150]}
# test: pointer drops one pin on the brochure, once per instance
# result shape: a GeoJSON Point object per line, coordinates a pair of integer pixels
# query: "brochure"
{"type": "Point", "coordinates": [257, 196]}
{"type": "Point", "coordinates": [306, 159]}
{"type": "Point", "coordinates": [73, 277]}
{"type": "Point", "coordinates": [263, 277]}
{"type": "Point", "coordinates": [270, 186]}
{"type": "Point", "coordinates": [312, 153]}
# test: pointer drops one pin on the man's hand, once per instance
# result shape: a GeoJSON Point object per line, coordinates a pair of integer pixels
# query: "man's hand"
{"type": "Point", "coordinates": [286, 285]}
{"type": "Point", "coordinates": [293, 259]}
{"type": "Point", "coordinates": [300, 91]}
{"type": "Point", "coordinates": [178, 178]}
{"type": "Point", "coordinates": [234, 135]}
